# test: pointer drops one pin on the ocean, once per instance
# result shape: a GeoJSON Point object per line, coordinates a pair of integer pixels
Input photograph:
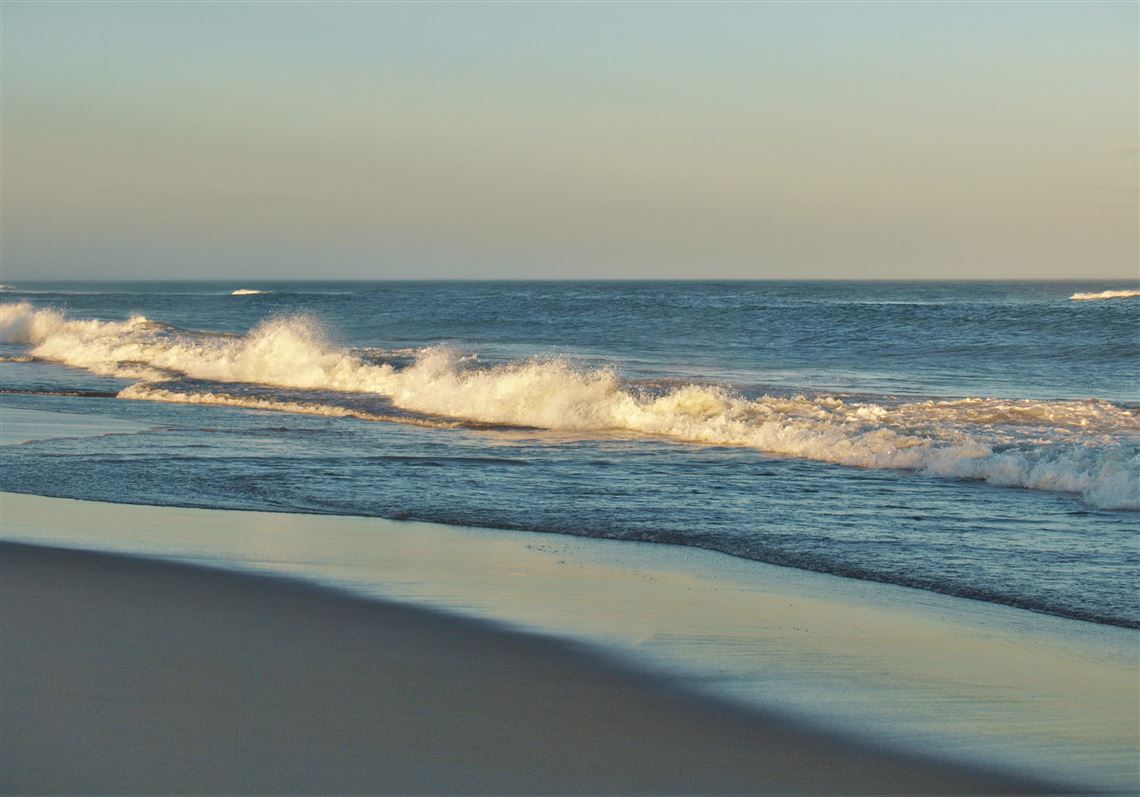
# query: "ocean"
{"type": "Point", "coordinates": [975, 439]}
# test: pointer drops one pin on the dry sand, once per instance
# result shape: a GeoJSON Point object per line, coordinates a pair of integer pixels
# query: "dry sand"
{"type": "Point", "coordinates": [130, 675]}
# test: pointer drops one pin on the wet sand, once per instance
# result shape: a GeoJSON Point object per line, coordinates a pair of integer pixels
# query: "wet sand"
{"type": "Point", "coordinates": [125, 675]}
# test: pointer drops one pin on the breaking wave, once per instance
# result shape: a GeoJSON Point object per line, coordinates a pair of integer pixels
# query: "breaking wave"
{"type": "Point", "coordinates": [148, 392]}
{"type": "Point", "coordinates": [1086, 447]}
{"type": "Point", "coordinates": [1089, 297]}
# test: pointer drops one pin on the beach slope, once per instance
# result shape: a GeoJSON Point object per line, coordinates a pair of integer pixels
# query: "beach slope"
{"type": "Point", "coordinates": [129, 675]}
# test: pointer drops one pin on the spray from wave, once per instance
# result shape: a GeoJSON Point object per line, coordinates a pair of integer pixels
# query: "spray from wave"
{"type": "Point", "coordinates": [1086, 447]}
{"type": "Point", "coordinates": [1092, 297]}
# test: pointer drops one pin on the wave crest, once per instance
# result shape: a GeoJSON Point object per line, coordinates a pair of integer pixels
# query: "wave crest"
{"type": "Point", "coordinates": [1087, 447]}
{"type": "Point", "coordinates": [1091, 297]}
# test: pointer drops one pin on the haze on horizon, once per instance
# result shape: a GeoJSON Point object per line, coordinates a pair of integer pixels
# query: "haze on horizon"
{"type": "Point", "coordinates": [359, 141]}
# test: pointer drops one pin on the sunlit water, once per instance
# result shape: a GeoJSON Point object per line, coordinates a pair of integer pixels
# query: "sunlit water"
{"type": "Point", "coordinates": [973, 439]}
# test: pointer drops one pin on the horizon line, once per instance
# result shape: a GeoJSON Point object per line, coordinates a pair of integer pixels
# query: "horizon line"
{"type": "Point", "coordinates": [991, 280]}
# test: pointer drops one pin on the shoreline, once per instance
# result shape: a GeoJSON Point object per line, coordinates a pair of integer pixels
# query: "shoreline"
{"type": "Point", "coordinates": [1125, 624]}
{"type": "Point", "coordinates": [929, 676]}
{"type": "Point", "coordinates": [166, 677]}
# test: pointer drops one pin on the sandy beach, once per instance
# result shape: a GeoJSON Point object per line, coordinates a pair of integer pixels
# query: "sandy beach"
{"type": "Point", "coordinates": [128, 675]}
{"type": "Point", "coordinates": [809, 668]}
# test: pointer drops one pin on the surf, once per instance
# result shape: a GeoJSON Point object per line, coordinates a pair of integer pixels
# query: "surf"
{"type": "Point", "coordinates": [1083, 447]}
{"type": "Point", "coordinates": [1092, 297]}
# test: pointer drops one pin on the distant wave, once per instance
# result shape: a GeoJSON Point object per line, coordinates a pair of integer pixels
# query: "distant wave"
{"type": "Point", "coordinates": [1085, 447]}
{"type": "Point", "coordinates": [1090, 297]}
{"type": "Point", "coordinates": [246, 292]}
{"type": "Point", "coordinates": [121, 292]}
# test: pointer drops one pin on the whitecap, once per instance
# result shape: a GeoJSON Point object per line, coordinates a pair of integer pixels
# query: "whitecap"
{"type": "Point", "coordinates": [1090, 297]}
{"type": "Point", "coordinates": [1087, 447]}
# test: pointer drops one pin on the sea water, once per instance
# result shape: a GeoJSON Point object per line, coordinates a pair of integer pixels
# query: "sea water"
{"type": "Point", "coordinates": [974, 439]}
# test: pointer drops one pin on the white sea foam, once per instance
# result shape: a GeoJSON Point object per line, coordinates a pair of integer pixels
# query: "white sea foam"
{"type": "Point", "coordinates": [1086, 447]}
{"type": "Point", "coordinates": [246, 292]}
{"type": "Point", "coordinates": [1090, 297]}
{"type": "Point", "coordinates": [149, 392]}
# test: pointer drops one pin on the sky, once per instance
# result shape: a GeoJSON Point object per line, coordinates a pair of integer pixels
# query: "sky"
{"type": "Point", "coordinates": [555, 140]}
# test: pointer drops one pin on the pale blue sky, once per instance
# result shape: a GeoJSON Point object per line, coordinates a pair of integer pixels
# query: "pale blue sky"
{"type": "Point", "coordinates": [370, 140]}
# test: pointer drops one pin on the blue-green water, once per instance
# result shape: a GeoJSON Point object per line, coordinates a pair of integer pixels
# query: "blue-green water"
{"type": "Point", "coordinates": [978, 439]}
